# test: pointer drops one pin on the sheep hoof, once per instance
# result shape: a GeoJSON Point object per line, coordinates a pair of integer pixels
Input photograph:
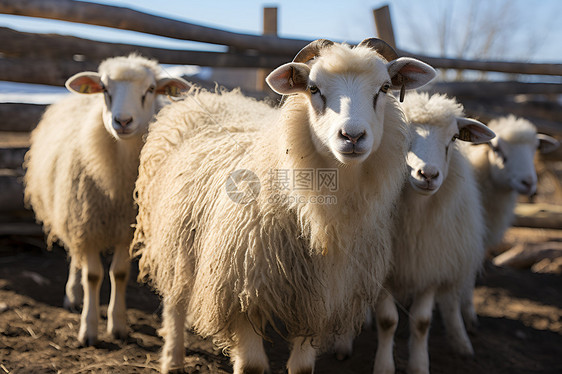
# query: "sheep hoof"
{"type": "Point", "coordinates": [88, 341]}
{"type": "Point", "coordinates": [122, 335]}
{"type": "Point", "coordinates": [472, 325]}
{"type": "Point", "coordinates": [72, 307]}
{"type": "Point", "coordinates": [173, 370]}
{"type": "Point", "coordinates": [177, 371]}
{"type": "Point", "coordinates": [465, 351]}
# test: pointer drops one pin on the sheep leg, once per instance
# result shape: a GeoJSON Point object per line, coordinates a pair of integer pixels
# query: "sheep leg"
{"type": "Point", "coordinates": [387, 320]}
{"type": "Point", "coordinates": [343, 346]}
{"type": "Point", "coordinates": [420, 320]}
{"type": "Point", "coordinates": [368, 324]}
{"type": "Point", "coordinates": [248, 354]}
{"type": "Point", "coordinates": [449, 306]}
{"type": "Point", "coordinates": [173, 353]}
{"type": "Point", "coordinates": [74, 292]}
{"type": "Point", "coordinates": [92, 276]}
{"type": "Point", "coordinates": [467, 309]}
{"type": "Point", "coordinates": [117, 310]}
{"type": "Point", "coordinates": [303, 356]}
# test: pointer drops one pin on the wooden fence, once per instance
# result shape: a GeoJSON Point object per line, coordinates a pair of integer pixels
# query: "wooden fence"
{"type": "Point", "coordinates": [50, 59]}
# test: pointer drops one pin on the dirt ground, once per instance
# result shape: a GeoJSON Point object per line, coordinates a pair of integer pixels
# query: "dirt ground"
{"type": "Point", "coordinates": [520, 328]}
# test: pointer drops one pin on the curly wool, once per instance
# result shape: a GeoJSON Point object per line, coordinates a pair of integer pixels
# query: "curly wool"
{"type": "Point", "coordinates": [312, 267]}
{"type": "Point", "coordinates": [439, 110]}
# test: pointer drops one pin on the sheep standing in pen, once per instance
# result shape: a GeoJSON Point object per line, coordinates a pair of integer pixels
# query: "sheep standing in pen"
{"type": "Point", "coordinates": [231, 264]}
{"type": "Point", "coordinates": [438, 246]}
{"type": "Point", "coordinates": [81, 170]}
{"type": "Point", "coordinates": [505, 168]}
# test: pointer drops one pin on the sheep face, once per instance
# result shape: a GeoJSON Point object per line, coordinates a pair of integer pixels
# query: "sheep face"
{"type": "Point", "coordinates": [129, 96]}
{"type": "Point", "coordinates": [346, 110]}
{"type": "Point", "coordinates": [512, 161]}
{"type": "Point", "coordinates": [432, 147]}
{"type": "Point", "coordinates": [347, 91]}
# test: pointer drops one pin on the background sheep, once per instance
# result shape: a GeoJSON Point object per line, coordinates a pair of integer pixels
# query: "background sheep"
{"type": "Point", "coordinates": [81, 169]}
{"type": "Point", "coordinates": [438, 245]}
{"type": "Point", "coordinates": [505, 168]}
{"type": "Point", "coordinates": [235, 267]}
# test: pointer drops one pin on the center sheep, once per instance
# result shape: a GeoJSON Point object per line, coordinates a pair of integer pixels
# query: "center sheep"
{"type": "Point", "coordinates": [229, 266]}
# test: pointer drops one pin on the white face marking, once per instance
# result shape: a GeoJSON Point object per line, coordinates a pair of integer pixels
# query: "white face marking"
{"type": "Point", "coordinates": [346, 121]}
{"type": "Point", "coordinates": [429, 156]}
{"type": "Point", "coordinates": [129, 106]}
{"type": "Point", "coordinates": [512, 166]}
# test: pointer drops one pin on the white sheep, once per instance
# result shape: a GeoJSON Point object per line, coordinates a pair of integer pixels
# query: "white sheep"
{"type": "Point", "coordinates": [438, 246]}
{"type": "Point", "coordinates": [81, 170]}
{"type": "Point", "coordinates": [232, 262]}
{"type": "Point", "coordinates": [505, 168]}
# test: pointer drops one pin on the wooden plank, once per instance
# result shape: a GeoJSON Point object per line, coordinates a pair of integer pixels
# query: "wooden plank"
{"type": "Point", "coordinates": [11, 198]}
{"type": "Point", "coordinates": [12, 158]}
{"type": "Point", "coordinates": [383, 23]}
{"type": "Point", "coordinates": [488, 65]}
{"type": "Point", "coordinates": [20, 229]}
{"type": "Point", "coordinates": [548, 111]}
{"type": "Point", "coordinates": [129, 19]}
{"type": "Point", "coordinates": [485, 112]}
{"type": "Point", "coordinates": [546, 216]}
{"type": "Point", "coordinates": [269, 28]}
{"type": "Point", "coordinates": [19, 116]}
{"type": "Point", "coordinates": [67, 48]}
{"type": "Point", "coordinates": [41, 71]}
{"type": "Point", "coordinates": [484, 89]}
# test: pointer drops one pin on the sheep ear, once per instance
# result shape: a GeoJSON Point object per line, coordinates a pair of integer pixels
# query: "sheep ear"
{"type": "Point", "coordinates": [409, 73]}
{"type": "Point", "coordinates": [289, 78]}
{"type": "Point", "coordinates": [87, 82]}
{"type": "Point", "coordinates": [471, 130]}
{"type": "Point", "coordinates": [171, 86]}
{"type": "Point", "coordinates": [547, 143]}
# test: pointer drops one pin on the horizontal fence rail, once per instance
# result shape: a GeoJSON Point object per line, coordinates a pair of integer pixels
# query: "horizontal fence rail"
{"type": "Point", "coordinates": [129, 19]}
{"type": "Point", "coordinates": [17, 44]}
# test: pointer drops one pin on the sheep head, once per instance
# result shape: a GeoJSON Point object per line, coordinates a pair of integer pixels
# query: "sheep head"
{"type": "Point", "coordinates": [347, 90]}
{"type": "Point", "coordinates": [129, 86]}
{"type": "Point", "coordinates": [512, 152]}
{"type": "Point", "coordinates": [432, 146]}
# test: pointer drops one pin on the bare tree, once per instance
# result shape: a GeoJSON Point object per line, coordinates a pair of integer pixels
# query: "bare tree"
{"type": "Point", "coordinates": [475, 29]}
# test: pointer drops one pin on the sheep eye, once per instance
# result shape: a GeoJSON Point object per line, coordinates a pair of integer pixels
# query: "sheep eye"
{"type": "Point", "coordinates": [454, 138]}
{"type": "Point", "coordinates": [150, 89]}
{"type": "Point", "coordinates": [385, 87]}
{"type": "Point", "coordinates": [313, 89]}
{"type": "Point", "coordinates": [105, 92]}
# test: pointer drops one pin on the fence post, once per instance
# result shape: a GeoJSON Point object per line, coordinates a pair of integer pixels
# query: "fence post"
{"type": "Point", "coordinates": [383, 24]}
{"type": "Point", "coordinates": [269, 28]}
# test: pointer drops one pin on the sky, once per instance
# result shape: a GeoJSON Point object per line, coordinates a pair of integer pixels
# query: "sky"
{"type": "Point", "coordinates": [528, 31]}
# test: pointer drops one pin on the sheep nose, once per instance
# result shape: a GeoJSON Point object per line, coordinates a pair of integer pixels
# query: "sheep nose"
{"type": "Point", "coordinates": [353, 138]}
{"type": "Point", "coordinates": [428, 173]}
{"type": "Point", "coordinates": [123, 121]}
{"type": "Point", "coordinates": [528, 182]}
